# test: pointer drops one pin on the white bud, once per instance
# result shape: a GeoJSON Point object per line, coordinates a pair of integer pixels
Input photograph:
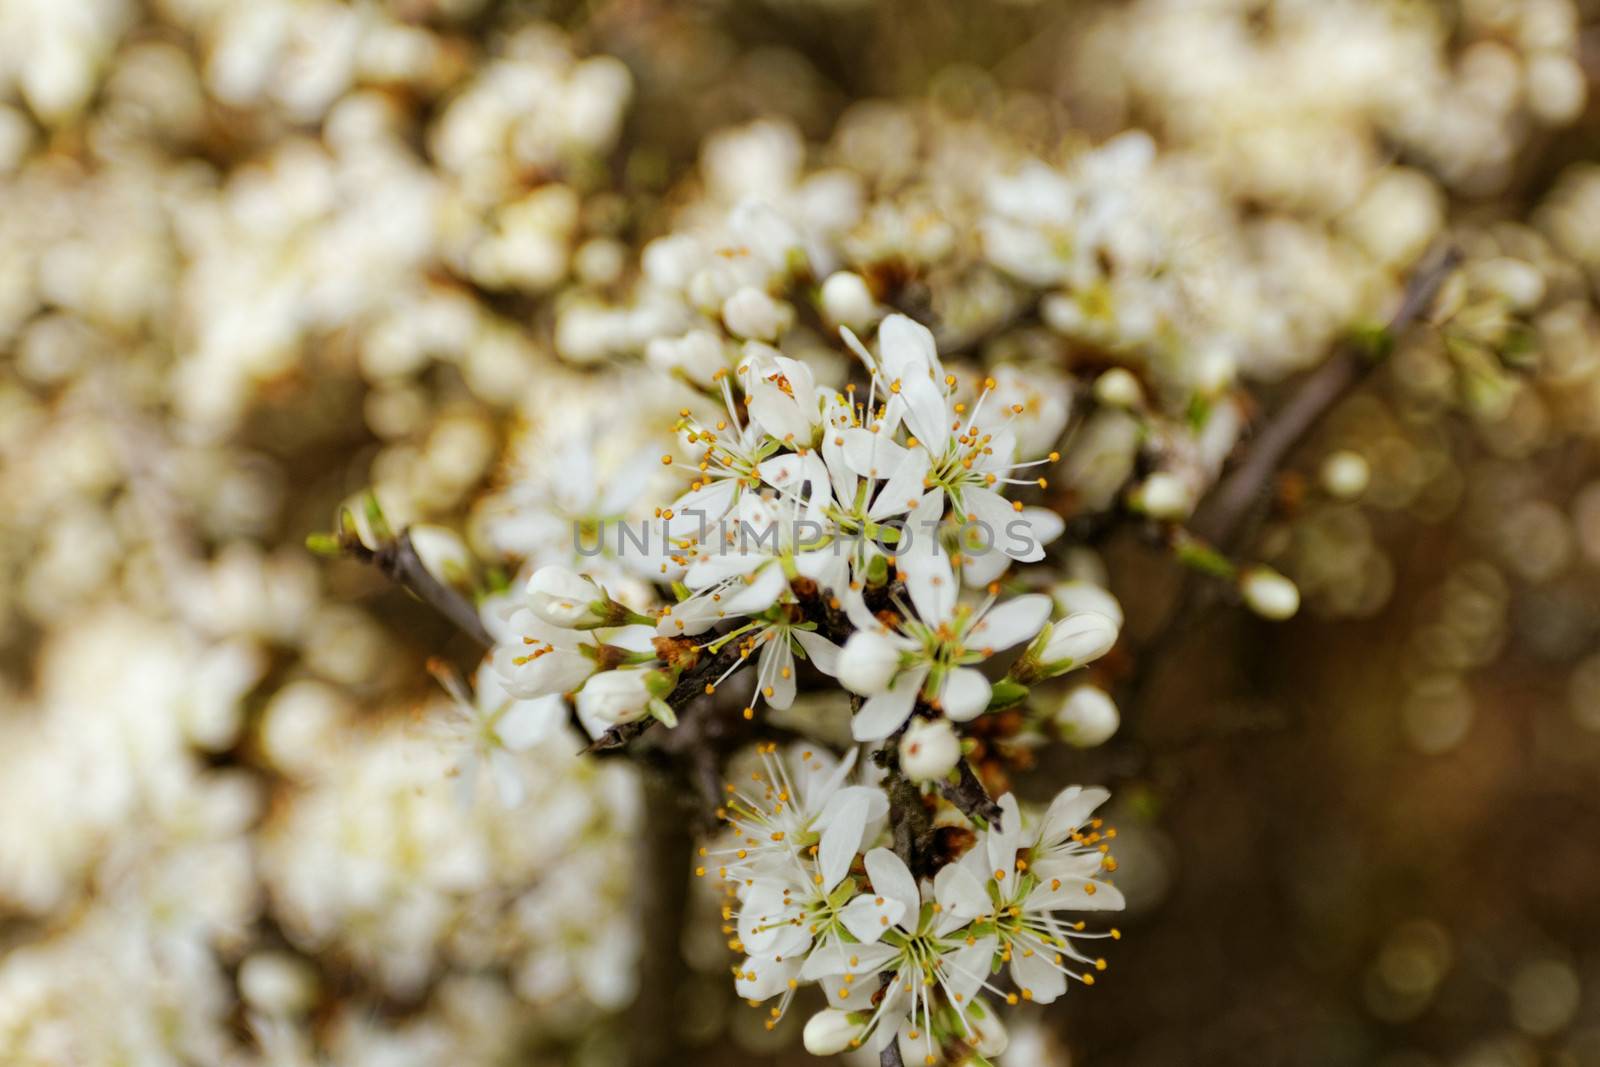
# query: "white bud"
{"type": "Point", "coordinates": [616, 696]}
{"type": "Point", "coordinates": [1118, 388]}
{"type": "Point", "coordinates": [847, 301]}
{"type": "Point", "coordinates": [829, 1032]}
{"type": "Point", "coordinates": [563, 597]}
{"type": "Point", "coordinates": [753, 314]}
{"type": "Point", "coordinates": [1074, 596]}
{"type": "Point", "coordinates": [992, 1038]}
{"type": "Point", "coordinates": [698, 355]}
{"type": "Point", "coordinates": [1080, 638]}
{"type": "Point", "coordinates": [929, 749]}
{"type": "Point", "coordinates": [1086, 717]}
{"type": "Point", "coordinates": [867, 663]}
{"type": "Point", "coordinates": [1345, 474]}
{"type": "Point", "coordinates": [1163, 496]}
{"type": "Point", "coordinates": [1268, 593]}
{"type": "Point", "coordinates": [1214, 372]}
{"type": "Point", "coordinates": [277, 983]}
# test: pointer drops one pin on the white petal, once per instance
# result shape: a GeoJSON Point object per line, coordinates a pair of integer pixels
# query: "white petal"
{"type": "Point", "coordinates": [759, 979]}
{"type": "Point", "coordinates": [834, 958]}
{"type": "Point", "coordinates": [903, 491]}
{"type": "Point", "coordinates": [873, 455]}
{"type": "Point", "coordinates": [928, 576]}
{"type": "Point", "coordinates": [961, 892]}
{"type": "Point", "coordinates": [868, 917]}
{"type": "Point", "coordinates": [1069, 810]}
{"type": "Point", "coordinates": [1011, 622]}
{"type": "Point", "coordinates": [775, 670]}
{"type": "Point", "coordinates": [841, 841]}
{"type": "Point", "coordinates": [1060, 891]}
{"type": "Point", "coordinates": [822, 653]}
{"type": "Point", "coordinates": [1001, 843]}
{"type": "Point", "coordinates": [1000, 524]}
{"type": "Point", "coordinates": [891, 879]}
{"type": "Point", "coordinates": [966, 694]}
{"type": "Point", "coordinates": [967, 968]}
{"type": "Point", "coordinates": [883, 714]}
{"type": "Point", "coordinates": [527, 722]}
{"type": "Point", "coordinates": [1037, 975]}
{"type": "Point", "coordinates": [758, 595]}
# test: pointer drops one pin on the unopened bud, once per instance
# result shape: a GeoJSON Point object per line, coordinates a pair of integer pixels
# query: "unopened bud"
{"type": "Point", "coordinates": [829, 1032]}
{"type": "Point", "coordinates": [929, 749]}
{"type": "Point", "coordinates": [1268, 593]}
{"type": "Point", "coordinates": [1345, 474]}
{"type": "Point", "coordinates": [1086, 717]}
{"type": "Point", "coordinates": [847, 301]}
{"type": "Point", "coordinates": [1118, 388]}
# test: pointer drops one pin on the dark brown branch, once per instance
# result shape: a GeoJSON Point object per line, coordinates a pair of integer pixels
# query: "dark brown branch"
{"type": "Point", "coordinates": [969, 795]}
{"type": "Point", "coordinates": [1221, 518]}
{"type": "Point", "coordinates": [399, 562]}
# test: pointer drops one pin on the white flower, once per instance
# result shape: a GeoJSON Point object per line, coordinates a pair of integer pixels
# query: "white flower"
{"type": "Point", "coordinates": [621, 695]}
{"type": "Point", "coordinates": [563, 597]}
{"type": "Point", "coordinates": [698, 356]}
{"type": "Point", "coordinates": [1164, 496]}
{"type": "Point", "coordinates": [1086, 716]}
{"type": "Point", "coordinates": [937, 646]}
{"type": "Point", "coordinates": [868, 662]}
{"type": "Point", "coordinates": [492, 726]}
{"type": "Point", "coordinates": [847, 301]}
{"type": "Point", "coordinates": [1065, 645]}
{"type": "Point", "coordinates": [829, 1032]}
{"type": "Point", "coordinates": [958, 453]}
{"type": "Point", "coordinates": [536, 659]}
{"type": "Point", "coordinates": [782, 395]}
{"type": "Point", "coordinates": [1345, 474]}
{"type": "Point", "coordinates": [1269, 594]}
{"type": "Point", "coordinates": [751, 313]}
{"type": "Point", "coordinates": [1075, 595]}
{"type": "Point", "coordinates": [801, 791]}
{"type": "Point", "coordinates": [1118, 388]}
{"type": "Point", "coordinates": [929, 749]}
{"type": "Point", "coordinates": [890, 984]}
{"type": "Point", "coordinates": [1017, 881]}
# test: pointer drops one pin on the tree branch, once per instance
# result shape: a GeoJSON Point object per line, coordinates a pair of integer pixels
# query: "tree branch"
{"type": "Point", "coordinates": [969, 795]}
{"type": "Point", "coordinates": [1222, 516]}
{"type": "Point", "coordinates": [398, 560]}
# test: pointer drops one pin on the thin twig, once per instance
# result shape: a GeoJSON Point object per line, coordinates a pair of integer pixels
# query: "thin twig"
{"type": "Point", "coordinates": [969, 795]}
{"type": "Point", "coordinates": [1221, 518]}
{"type": "Point", "coordinates": [399, 560]}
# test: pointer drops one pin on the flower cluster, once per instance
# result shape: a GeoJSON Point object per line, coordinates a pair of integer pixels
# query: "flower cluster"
{"type": "Point", "coordinates": [813, 896]}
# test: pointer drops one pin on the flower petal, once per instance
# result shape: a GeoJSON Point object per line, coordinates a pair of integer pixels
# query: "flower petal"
{"type": "Point", "coordinates": [892, 879]}
{"type": "Point", "coordinates": [1010, 623]}
{"type": "Point", "coordinates": [882, 715]}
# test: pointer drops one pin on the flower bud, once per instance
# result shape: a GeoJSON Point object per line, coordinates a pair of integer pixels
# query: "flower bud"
{"type": "Point", "coordinates": [847, 301]}
{"type": "Point", "coordinates": [1074, 596]}
{"type": "Point", "coordinates": [697, 356]}
{"type": "Point", "coordinates": [1345, 474]}
{"type": "Point", "coordinates": [829, 1032]}
{"type": "Point", "coordinates": [1268, 593]}
{"type": "Point", "coordinates": [989, 1033]}
{"type": "Point", "coordinates": [929, 749]}
{"type": "Point", "coordinates": [277, 983]}
{"type": "Point", "coordinates": [1080, 638]}
{"type": "Point", "coordinates": [1086, 717]}
{"type": "Point", "coordinates": [622, 695]}
{"type": "Point", "coordinates": [1118, 388]}
{"type": "Point", "coordinates": [753, 314]}
{"type": "Point", "coordinates": [867, 663]}
{"type": "Point", "coordinates": [1163, 496]}
{"type": "Point", "coordinates": [563, 597]}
